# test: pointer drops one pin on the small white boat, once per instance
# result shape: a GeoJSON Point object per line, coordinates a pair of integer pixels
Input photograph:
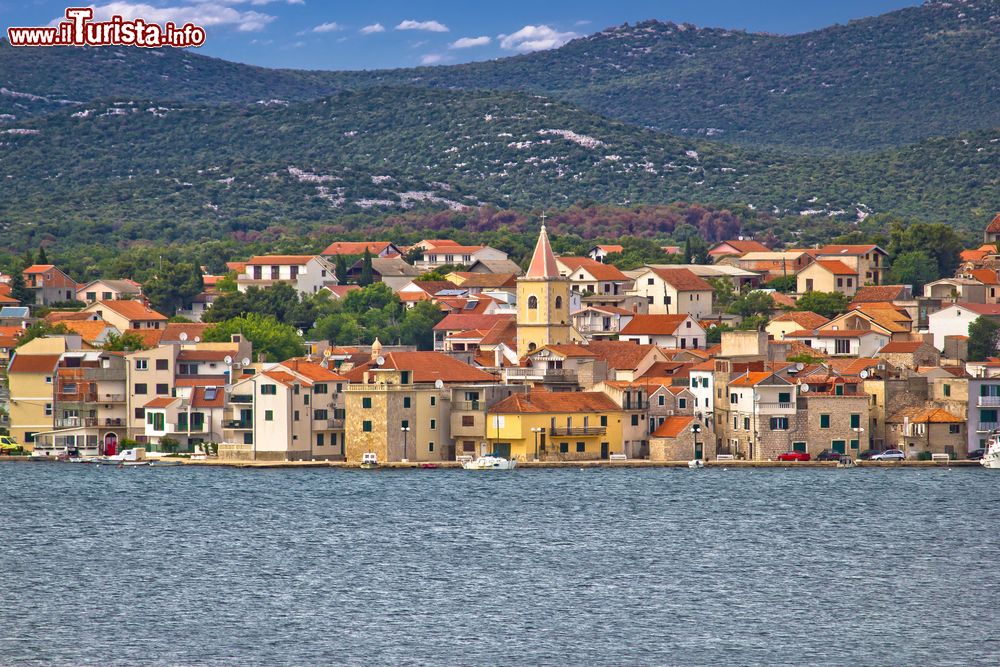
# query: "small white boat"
{"type": "Point", "coordinates": [695, 464]}
{"type": "Point", "coordinates": [846, 462]}
{"type": "Point", "coordinates": [991, 459]}
{"type": "Point", "coordinates": [490, 463]}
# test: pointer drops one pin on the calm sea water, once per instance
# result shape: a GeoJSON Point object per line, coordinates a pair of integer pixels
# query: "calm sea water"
{"type": "Point", "coordinates": [556, 567]}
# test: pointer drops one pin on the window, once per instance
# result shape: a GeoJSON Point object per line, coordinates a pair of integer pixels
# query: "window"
{"type": "Point", "coordinates": [161, 364]}
{"type": "Point", "coordinates": [48, 409]}
{"type": "Point", "coordinates": [581, 447]}
{"type": "Point", "coordinates": [434, 401]}
{"type": "Point", "coordinates": [430, 446]}
{"type": "Point", "coordinates": [141, 364]}
{"type": "Point", "coordinates": [248, 437]}
{"type": "Point", "coordinates": [320, 414]}
{"type": "Point", "coordinates": [733, 398]}
{"type": "Point", "coordinates": [635, 420]}
{"type": "Point", "coordinates": [366, 402]}
{"type": "Point", "coordinates": [268, 390]}
{"type": "Point", "coordinates": [91, 296]}
{"type": "Point", "coordinates": [855, 421]}
{"type": "Point", "coordinates": [468, 420]}
{"type": "Point", "coordinates": [558, 302]}
{"type": "Point", "coordinates": [824, 421]}
{"type": "Point", "coordinates": [842, 346]}
{"type": "Point", "coordinates": [433, 424]}
{"type": "Point", "coordinates": [140, 389]}
{"type": "Point", "coordinates": [682, 403]}
{"type": "Point", "coordinates": [954, 428]}
{"type": "Point", "coordinates": [269, 415]}
{"type": "Point", "coordinates": [784, 397]}
{"type": "Point", "coordinates": [162, 389]}
{"type": "Point", "coordinates": [650, 281]}
{"type": "Point", "coordinates": [406, 402]}
{"type": "Point", "coordinates": [746, 423]}
{"type": "Point", "coordinates": [533, 303]}
{"type": "Point", "coordinates": [798, 446]}
{"type": "Point", "coordinates": [366, 426]}
{"type": "Point", "coordinates": [779, 423]}
{"type": "Point", "coordinates": [855, 444]}
{"type": "Point", "coordinates": [319, 389]}
{"type": "Point", "coordinates": [604, 420]}
{"type": "Point", "coordinates": [183, 369]}
{"type": "Point", "coordinates": [319, 439]}
{"type": "Point", "coordinates": [140, 413]}
{"type": "Point", "coordinates": [946, 389]}
{"type": "Point", "coordinates": [48, 379]}
{"type": "Point", "coordinates": [563, 447]}
{"type": "Point", "coordinates": [662, 400]}
{"type": "Point", "coordinates": [404, 377]}
{"type": "Point", "coordinates": [404, 423]}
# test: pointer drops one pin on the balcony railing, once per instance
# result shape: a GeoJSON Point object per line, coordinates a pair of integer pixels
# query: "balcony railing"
{"type": "Point", "coordinates": [635, 405]}
{"type": "Point", "coordinates": [75, 422]}
{"type": "Point", "coordinates": [335, 423]}
{"type": "Point", "coordinates": [76, 396]}
{"type": "Point", "coordinates": [111, 398]}
{"type": "Point", "coordinates": [240, 398]}
{"type": "Point", "coordinates": [466, 406]}
{"type": "Point", "coordinates": [989, 401]}
{"type": "Point", "coordinates": [986, 427]}
{"type": "Point", "coordinates": [548, 374]}
{"type": "Point", "coordinates": [578, 430]}
{"type": "Point", "coordinates": [776, 406]}
{"type": "Point", "coordinates": [237, 424]}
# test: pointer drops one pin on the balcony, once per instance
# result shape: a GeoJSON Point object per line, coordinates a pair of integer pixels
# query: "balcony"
{"type": "Point", "coordinates": [542, 374]}
{"type": "Point", "coordinates": [240, 398]}
{"type": "Point", "coordinates": [577, 430]}
{"type": "Point", "coordinates": [989, 401]}
{"type": "Point", "coordinates": [635, 405]}
{"type": "Point", "coordinates": [104, 374]}
{"type": "Point", "coordinates": [75, 422]}
{"type": "Point", "coordinates": [466, 406]}
{"type": "Point", "coordinates": [763, 407]}
{"type": "Point", "coordinates": [237, 424]}
{"type": "Point", "coordinates": [111, 398]}
{"type": "Point", "coordinates": [336, 424]}
{"type": "Point", "coordinates": [76, 397]}
{"type": "Point", "coordinates": [987, 427]}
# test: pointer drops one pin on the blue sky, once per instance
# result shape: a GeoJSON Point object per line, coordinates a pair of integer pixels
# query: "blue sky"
{"type": "Point", "coordinates": [396, 33]}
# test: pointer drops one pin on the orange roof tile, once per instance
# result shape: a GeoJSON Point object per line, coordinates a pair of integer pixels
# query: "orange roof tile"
{"type": "Point", "coordinates": [131, 310]}
{"type": "Point", "coordinates": [273, 260]}
{"type": "Point", "coordinates": [750, 379]}
{"type": "Point", "coordinates": [742, 247]}
{"type": "Point", "coordinates": [621, 355]}
{"type": "Point", "coordinates": [985, 276]}
{"type": "Point", "coordinates": [919, 415]}
{"type": "Point", "coordinates": [356, 247]}
{"type": "Point", "coordinates": [835, 266]}
{"type": "Point", "coordinates": [994, 226]}
{"type": "Point", "coordinates": [191, 330]}
{"type": "Point", "coordinates": [466, 321]}
{"type": "Point", "coordinates": [672, 426]}
{"type": "Point", "coordinates": [683, 280]}
{"type": "Point", "coordinates": [161, 402]}
{"type": "Point", "coordinates": [598, 270]}
{"type": "Point", "coordinates": [879, 293]}
{"type": "Point", "coordinates": [653, 325]}
{"type": "Point", "coordinates": [33, 363]}
{"type": "Point", "coordinates": [545, 402]}
{"type": "Point", "coordinates": [90, 331]}
{"type": "Point", "coordinates": [804, 318]}
{"type": "Point", "coordinates": [543, 262]}
{"type": "Point", "coordinates": [426, 367]}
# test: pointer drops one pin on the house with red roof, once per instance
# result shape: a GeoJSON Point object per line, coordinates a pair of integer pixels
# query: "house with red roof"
{"type": "Point", "coordinates": [306, 273]}
{"type": "Point", "coordinates": [601, 321]}
{"type": "Point", "coordinates": [954, 320]}
{"type": "Point", "coordinates": [357, 248]}
{"type": "Point", "coordinates": [869, 262]}
{"type": "Point", "coordinates": [127, 314]}
{"type": "Point", "coordinates": [590, 276]}
{"type": "Point", "coordinates": [794, 320]}
{"type": "Point", "coordinates": [673, 291]}
{"type": "Point", "coordinates": [599, 253]}
{"type": "Point", "coordinates": [458, 255]}
{"type": "Point", "coordinates": [737, 247]}
{"type": "Point", "coordinates": [49, 284]}
{"type": "Point", "coordinates": [991, 234]}
{"type": "Point", "coordinates": [828, 275]}
{"type": "Point", "coordinates": [671, 331]}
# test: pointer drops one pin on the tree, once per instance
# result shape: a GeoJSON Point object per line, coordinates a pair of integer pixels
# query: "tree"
{"type": "Point", "coordinates": [784, 284]}
{"type": "Point", "coordinates": [915, 268]}
{"type": "Point", "coordinates": [984, 335]}
{"type": "Point", "coordinates": [281, 301]}
{"type": "Point", "coordinates": [41, 329]}
{"type": "Point", "coordinates": [688, 252]}
{"type": "Point", "coordinates": [713, 336]}
{"type": "Point", "coordinates": [173, 287]}
{"type": "Point", "coordinates": [341, 270]}
{"type": "Point", "coordinates": [827, 304]}
{"type": "Point", "coordinates": [130, 340]}
{"type": "Point", "coordinates": [276, 340]}
{"type": "Point", "coordinates": [939, 241]}
{"type": "Point", "coordinates": [29, 258]}
{"type": "Point", "coordinates": [367, 276]}
{"type": "Point", "coordinates": [417, 327]}
{"type": "Point", "coordinates": [723, 292]}
{"type": "Point", "coordinates": [19, 289]}
{"type": "Point", "coordinates": [227, 283]}
{"type": "Point", "coordinates": [752, 304]}
{"type": "Point", "coordinates": [42, 257]}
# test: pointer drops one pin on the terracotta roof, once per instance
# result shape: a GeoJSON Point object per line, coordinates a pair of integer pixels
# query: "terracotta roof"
{"type": "Point", "coordinates": [782, 300]}
{"type": "Point", "coordinates": [39, 268]}
{"type": "Point", "coordinates": [885, 293]}
{"type": "Point", "coordinates": [795, 348]}
{"type": "Point", "coordinates": [902, 347]}
{"type": "Point", "coordinates": [485, 280]}
{"type": "Point", "coordinates": [502, 332]}
{"type": "Point", "coordinates": [543, 262]}
{"type": "Point", "coordinates": [33, 363]}
{"type": "Point", "coordinates": [172, 332]}
{"type": "Point", "coordinates": [621, 355]}
{"type": "Point", "coordinates": [236, 266]}
{"type": "Point", "coordinates": [683, 280]}
{"type": "Point", "coordinates": [994, 226]}
{"type": "Point", "coordinates": [598, 270]}
{"type": "Point", "coordinates": [654, 325]}
{"type": "Point", "coordinates": [980, 308]}
{"type": "Point", "coordinates": [751, 379]}
{"type": "Point", "coordinates": [919, 415]}
{"type": "Point", "coordinates": [161, 402]}
{"type": "Point", "coordinates": [150, 337]}
{"type": "Point", "coordinates": [274, 260]}
{"type": "Point", "coordinates": [200, 400]}
{"type": "Point", "coordinates": [985, 276]}
{"type": "Point", "coordinates": [974, 255]}
{"type": "Point", "coordinates": [438, 243]}
{"type": "Point", "coordinates": [610, 249]}
{"type": "Point", "coordinates": [54, 316]}
{"type": "Point", "coordinates": [844, 250]}
{"type": "Point", "coordinates": [356, 247]}
{"type": "Point", "coordinates": [835, 266]}
{"type": "Point", "coordinates": [566, 350]}
{"type": "Point", "coordinates": [804, 318]}
{"type": "Point", "coordinates": [667, 369]}
{"type": "Point", "coordinates": [286, 378]}
{"type": "Point", "coordinates": [312, 370]}
{"type": "Point", "coordinates": [131, 310]}
{"type": "Point", "coordinates": [671, 249]}
{"type": "Point", "coordinates": [89, 331]}
{"type": "Point", "coordinates": [832, 333]}
{"type": "Point", "coordinates": [465, 321]}
{"type": "Point", "coordinates": [432, 287]}
{"type": "Point", "coordinates": [672, 426]}
{"type": "Point", "coordinates": [852, 366]}
{"type": "Point", "coordinates": [204, 355]}
{"type": "Point", "coordinates": [426, 367]}
{"type": "Point", "coordinates": [546, 402]}
{"type": "Point", "coordinates": [342, 290]}
{"type": "Point", "coordinates": [743, 246]}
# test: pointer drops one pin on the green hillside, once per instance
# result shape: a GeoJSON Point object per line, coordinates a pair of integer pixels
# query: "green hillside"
{"type": "Point", "coordinates": [128, 171]}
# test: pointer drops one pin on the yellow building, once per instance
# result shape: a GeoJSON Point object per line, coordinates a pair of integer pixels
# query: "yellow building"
{"type": "Point", "coordinates": [560, 426]}
{"type": "Point", "coordinates": [542, 302]}
{"type": "Point", "coordinates": [31, 378]}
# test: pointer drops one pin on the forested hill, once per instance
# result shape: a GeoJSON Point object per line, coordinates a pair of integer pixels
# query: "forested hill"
{"type": "Point", "coordinates": [130, 170]}
{"type": "Point", "coordinates": [889, 80]}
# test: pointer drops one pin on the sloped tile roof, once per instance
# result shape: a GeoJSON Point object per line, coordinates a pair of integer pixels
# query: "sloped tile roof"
{"type": "Point", "coordinates": [672, 426]}
{"type": "Point", "coordinates": [546, 402]}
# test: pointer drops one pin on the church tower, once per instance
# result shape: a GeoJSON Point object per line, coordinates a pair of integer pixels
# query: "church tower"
{"type": "Point", "coordinates": [542, 302]}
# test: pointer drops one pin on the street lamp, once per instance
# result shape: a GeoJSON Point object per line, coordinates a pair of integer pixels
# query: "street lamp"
{"type": "Point", "coordinates": [536, 430]}
{"type": "Point", "coordinates": [405, 430]}
{"type": "Point", "coordinates": [859, 430]}
{"type": "Point", "coordinates": [696, 429]}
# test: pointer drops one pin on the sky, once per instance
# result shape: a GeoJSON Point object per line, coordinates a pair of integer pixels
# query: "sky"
{"type": "Point", "coordinates": [310, 34]}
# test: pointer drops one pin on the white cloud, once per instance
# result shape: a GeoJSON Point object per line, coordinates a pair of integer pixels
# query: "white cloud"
{"type": "Point", "coordinates": [535, 38]}
{"type": "Point", "coordinates": [469, 42]}
{"type": "Point", "coordinates": [372, 29]}
{"type": "Point", "coordinates": [327, 27]}
{"type": "Point", "coordinates": [429, 26]}
{"type": "Point", "coordinates": [204, 14]}
{"type": "Point", "coordinates": [431, 59]}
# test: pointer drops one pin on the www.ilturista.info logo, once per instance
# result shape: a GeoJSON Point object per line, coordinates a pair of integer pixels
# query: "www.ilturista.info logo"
{"type": "Point", "coordinates": [79, 29]}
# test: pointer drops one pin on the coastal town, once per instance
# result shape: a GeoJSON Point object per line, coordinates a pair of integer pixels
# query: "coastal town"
{"type": "Point", "coordinates": [568, 358]}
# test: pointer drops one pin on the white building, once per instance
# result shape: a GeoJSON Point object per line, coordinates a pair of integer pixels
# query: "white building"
{"type": "Point", "coordinates": [306, 273]}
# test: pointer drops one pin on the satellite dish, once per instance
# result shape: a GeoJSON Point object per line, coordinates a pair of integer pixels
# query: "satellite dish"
{"type": "Point", "coordinates": [805, 389]}
{"type": "Point", "coordinates": [228, 360]}
{"type": "Point", "coordinates": [799, 366]}
{"type": "Point", "coordinates": [379, 361]}
{"type": "Point", "coordinates": [756, 397]}
{"type": "Point", "coordinates": [245, 361]}
{"type": "Point", "coordinates": [183, 336]}
{"type": "Point", "coordinates": [439, 383]}
{"type": "Point", "coordinates": [863, 375]}
{"type": "Point", "coordinates": [327, 352]}
{"type": "Point", "coordinates": [197, 339]}
{"type": "Point", "coordinates": [300, 332]}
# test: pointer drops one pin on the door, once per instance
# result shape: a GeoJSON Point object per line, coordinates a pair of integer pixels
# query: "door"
{"type": "Point", "coordinates": [838, 446]}
{"type": "Point", "coordinates": [698, 451]}
{"type": "Point", "coordinates": [246, 416]}
{"type": "Point", "coordinates": [502, 449]}
{"type": "Point", "coordinates": [110, 444]}
{"type": "Point", "coordinates": [604, 450]}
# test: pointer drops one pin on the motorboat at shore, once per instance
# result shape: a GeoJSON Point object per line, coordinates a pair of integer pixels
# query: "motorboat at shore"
{"type": "Point", "coordinates": [991, 458]}
{"type": "Point", "coordinates": [490, 463]}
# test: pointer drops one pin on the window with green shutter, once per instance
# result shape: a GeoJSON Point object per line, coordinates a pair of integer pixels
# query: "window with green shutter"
{"type": "Point", "coordinates": [824, 421]}
{"type": "Point", "coordinates": [366, 426]}
{"type": "Point", "coordinates": [366, 402]}
{"type": "Point", "coordinates": [855, 421]}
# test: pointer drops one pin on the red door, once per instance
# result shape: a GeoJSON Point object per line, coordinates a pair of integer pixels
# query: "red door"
{"type": "Point", "coordinates": [110, 444]}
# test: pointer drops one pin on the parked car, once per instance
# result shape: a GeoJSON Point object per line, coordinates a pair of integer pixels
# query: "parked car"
{"type": "Point", "coordinates": [794, 456]}
{"type": "Point", "coordinates": [867, 454]}
{"type": "Point", "coordinates": [829, 455]}
{"type": "Point", "coordinates": [8, 444]}
{"type": "Point", "coordinates": [889, 455]}
{"type": "Point", "coordinates": [977, 454]}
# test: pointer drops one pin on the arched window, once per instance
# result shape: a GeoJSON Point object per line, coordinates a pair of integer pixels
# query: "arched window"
{"type": "Point", "coordinates": [533, 303]}
{"type": "Point", "coordinates": [558, 302]}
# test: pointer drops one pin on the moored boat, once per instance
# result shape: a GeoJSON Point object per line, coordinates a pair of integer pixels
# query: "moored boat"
{"type": "Point", "coordinates": [490, 463]}
{"type": "Point", "coordinates": [991, 458]}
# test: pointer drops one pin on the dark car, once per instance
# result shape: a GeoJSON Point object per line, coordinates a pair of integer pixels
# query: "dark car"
{"type": "Point", "coordinates": [794, 456]}
{"type": "Point", "coordinates": [867, 454]}
{"type": "Point", "coordinates": [829, 455]}
{"type": "Point", "coordinates": [977, 454]}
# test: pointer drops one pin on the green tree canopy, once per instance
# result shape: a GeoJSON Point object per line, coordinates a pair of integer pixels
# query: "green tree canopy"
{"type": "Point", "coordinates": [277, 340]}
{"type": "Point", "coordinates": [174, 285]}
{"type": "Point", "coordinates": [984, 333]}
{"type": "Point", "coordinates": [129, 340]}
{"type": "Point", "coordinates": [938, 241]}
{"type": "Point", "coordinates": [40, 329]}
{"type": "Point", "coordinates": [915, 268]}
{"type": "Point", "coordinates": [827, 304]}
{"type": "Point", "coordinates": [282, 301]}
